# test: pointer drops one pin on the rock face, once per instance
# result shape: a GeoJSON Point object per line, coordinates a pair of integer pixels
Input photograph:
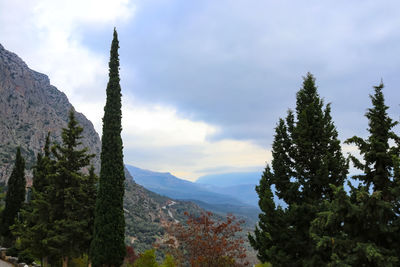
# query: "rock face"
{"type": "Point", "coordinates": [29, 108]}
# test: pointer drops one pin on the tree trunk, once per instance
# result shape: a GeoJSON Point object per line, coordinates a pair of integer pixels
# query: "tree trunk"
{"type": "Point", "coordinates": [65, 261]}
{"type": "Point", "coordinates": [45, 262]}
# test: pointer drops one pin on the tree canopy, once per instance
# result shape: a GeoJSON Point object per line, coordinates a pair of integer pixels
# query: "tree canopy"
{"type": "Point", "coordinates": [307, 158]}
{"type": "Point", "coordinates": [362, 228]}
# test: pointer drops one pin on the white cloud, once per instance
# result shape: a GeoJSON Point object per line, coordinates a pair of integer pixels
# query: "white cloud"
{"type": "Point", "coordinates": [351, 149]}
{"type": "Point", "coordinates": [66, 15]}
{"type": "Point", "coordinates": [46, 34]}
{"type": "Point", "coordinates": [181, 146]}
{"type": "Point", "coordinates": [158, 126]}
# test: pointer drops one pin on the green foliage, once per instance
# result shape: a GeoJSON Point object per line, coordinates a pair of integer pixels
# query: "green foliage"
{"type": "Point", "coordinates": [70, 202]}
{"type": "Point", "coordinates": [271, 224]}
{"type": "Point", "coordinates": [15, 197]}
{"type": "Point", "coordinates": [169, 261]}
{"type": "Point", "coordinates": [58, 221]}
{"type": "Point", "coordinates": [2, 197]}
{"type": "Point", "coordinates": [147, 259]}
{"type": "Point", "coordinates": [82, 261]}
{"type": "Point", "coordinates": [307, 158]}
{"type": "Point", "coordinates": [69, 236]}
{"type": "Point", "coordinates": [36, 225]}
{"type": "Point", "coordinates": [362, 229]}
{"type": "Point", "coordinates": [267, 264]}
{"type": "Point", "coordinates": [108, 247]}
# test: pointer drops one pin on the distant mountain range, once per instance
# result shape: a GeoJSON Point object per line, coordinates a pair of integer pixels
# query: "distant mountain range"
{"type": "Point", "coordinates": [241, 185]}
{"type": "Point", "coordinates": [166, 184]}
{"type": "Point", "coordinates": [229, 199]}
{"type": "Point", "coordinates": [230, 179]}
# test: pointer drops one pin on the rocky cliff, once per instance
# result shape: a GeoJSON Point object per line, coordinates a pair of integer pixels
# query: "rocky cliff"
{"type": "Point", "coordinates": [29, 108]}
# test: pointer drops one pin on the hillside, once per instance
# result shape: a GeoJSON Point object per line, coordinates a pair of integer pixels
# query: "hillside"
{"type": "Point", "coordinates": [148, 213]}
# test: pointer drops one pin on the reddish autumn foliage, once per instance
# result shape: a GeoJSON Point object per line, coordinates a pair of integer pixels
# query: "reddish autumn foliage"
{"type": "Point", "coordinates": [205, 242]}
{"type": "Point", "coordinates": [131, 256]}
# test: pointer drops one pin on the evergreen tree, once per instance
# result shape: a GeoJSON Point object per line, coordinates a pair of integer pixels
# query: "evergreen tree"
{"type": "Point", "coordinates": [36, 223]}
{"type": "Point", "coordinates": [270, 225]}
{"type": "Point", "coordinates": [307, 158]}
{"type": "Point", "coordinates": [362, 229]}
{"type": "Point", "coordinates": [2, 196]}
{"type": "Point", "coordinates": [88, 204]}
{"type": "Point", "coordinates": [67, 214]}
{"type": "Point", "coordinates": [15, 197]}
{"type": "Point", "coordinates": [108, 246]}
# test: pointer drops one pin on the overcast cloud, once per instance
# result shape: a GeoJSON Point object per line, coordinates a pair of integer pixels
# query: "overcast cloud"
{"type": "Point", "coordinates": [204, 82]}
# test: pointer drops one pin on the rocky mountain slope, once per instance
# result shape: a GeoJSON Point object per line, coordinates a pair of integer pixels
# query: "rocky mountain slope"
{"type": "Point", "coordinates": [29, 108]}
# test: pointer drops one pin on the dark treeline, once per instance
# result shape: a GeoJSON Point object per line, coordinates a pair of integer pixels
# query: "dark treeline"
{"type": "Point", "coordinates": [322, 224]}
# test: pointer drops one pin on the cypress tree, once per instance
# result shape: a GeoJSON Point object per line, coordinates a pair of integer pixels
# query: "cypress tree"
{"type": "Point", "coordinates": [362, 229]}
{"type": "Point", "coordinates": [15, 197]}
{"type": "Point", "coordinates": [108, 246]}
{"type": "Point", "coordinates": [307, 158]}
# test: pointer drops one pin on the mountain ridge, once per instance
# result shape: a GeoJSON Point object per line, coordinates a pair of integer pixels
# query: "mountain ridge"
{"type": "Point", "coordinates": [165, 183]}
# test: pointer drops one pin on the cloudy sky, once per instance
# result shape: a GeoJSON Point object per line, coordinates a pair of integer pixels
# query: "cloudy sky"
{"type": "Point", "coordinates": [204, 82]}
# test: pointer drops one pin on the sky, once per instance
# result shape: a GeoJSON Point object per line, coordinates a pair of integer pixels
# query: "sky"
{"type": "Point", "coordinates": [205, 82]}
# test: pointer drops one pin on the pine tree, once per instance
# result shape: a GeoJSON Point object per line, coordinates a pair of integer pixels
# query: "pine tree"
{"type": "Point", "coordinates": [36, 224]}
{"type": "Point", "coordinates": [15, 197]}
{"type": "Point", "coordinates": [307, 158]}
{"type": "Point", "coordinates": [108, 246]}
{"type": "Point", "coordinates": [270, 225]}
{"type": "Point", "coordinates": [362, 229]}
{"type": "Point", "coordinates": [69, 220]}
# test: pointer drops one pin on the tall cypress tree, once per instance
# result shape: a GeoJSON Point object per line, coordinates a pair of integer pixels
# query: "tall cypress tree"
{"type": "Point", "coordinates": [108, 246]}
{"type": "Point", "coordinates": [307, 158]}
{"type": "Point", "coordinates": [14, 198]}
{"type": "Point", "coordinates": [363, 228]}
